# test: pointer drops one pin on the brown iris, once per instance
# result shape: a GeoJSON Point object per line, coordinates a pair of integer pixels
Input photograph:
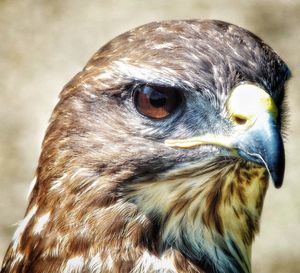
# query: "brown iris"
{"type": "Point", "coordinates": [155, 101]}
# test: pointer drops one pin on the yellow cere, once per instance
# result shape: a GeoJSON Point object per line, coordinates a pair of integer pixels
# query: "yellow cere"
{"type": "Point", "coordinates": [248, 100]}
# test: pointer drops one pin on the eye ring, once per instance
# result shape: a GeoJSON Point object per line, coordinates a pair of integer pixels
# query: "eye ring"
{"type": "Point", "coordinates": [156, 102]}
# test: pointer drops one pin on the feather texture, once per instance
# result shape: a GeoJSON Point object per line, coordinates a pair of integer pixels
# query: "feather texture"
{"type": "Point", "coordinates": [110, 196]}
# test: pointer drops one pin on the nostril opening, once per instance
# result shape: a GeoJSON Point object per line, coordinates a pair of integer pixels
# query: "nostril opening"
{"type": "Point", "coordinates": [239, 120]}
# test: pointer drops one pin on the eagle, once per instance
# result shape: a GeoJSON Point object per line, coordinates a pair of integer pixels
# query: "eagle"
{"type": "Point", "coordinates": [158, 156]}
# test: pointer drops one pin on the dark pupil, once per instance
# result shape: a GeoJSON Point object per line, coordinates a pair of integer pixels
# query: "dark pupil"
{"type": "Point", "coordinates": [157, 99]}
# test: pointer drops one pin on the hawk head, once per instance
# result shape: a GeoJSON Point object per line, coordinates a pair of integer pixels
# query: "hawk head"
{"type": "Point", "coordinates": [158, 155]}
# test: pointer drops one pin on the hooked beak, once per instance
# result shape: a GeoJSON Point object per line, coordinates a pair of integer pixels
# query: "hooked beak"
{"type": "Point", "coordinates": [258, 140]}
{"type": "Point", "coordinates": [263, 144]}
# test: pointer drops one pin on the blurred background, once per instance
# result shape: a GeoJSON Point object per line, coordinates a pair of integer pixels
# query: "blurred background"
{"type": "Point", "coordinates": [44, 43]}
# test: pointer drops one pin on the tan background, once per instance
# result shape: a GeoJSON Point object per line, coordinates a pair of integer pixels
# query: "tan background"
{"type": "Point", "coordinates": [44, 43]}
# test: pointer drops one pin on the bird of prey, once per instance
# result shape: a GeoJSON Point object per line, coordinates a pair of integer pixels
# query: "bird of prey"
{"type": "Point", "coordinates": [158, 155]}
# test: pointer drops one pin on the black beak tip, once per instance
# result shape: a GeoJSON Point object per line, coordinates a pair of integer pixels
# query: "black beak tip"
{"type": "Point", "coordinates": [276, 164]}
{"type": "Point", "coordinates": [277, 179]}
{"type": "Point", "coordinates": [277, 175]}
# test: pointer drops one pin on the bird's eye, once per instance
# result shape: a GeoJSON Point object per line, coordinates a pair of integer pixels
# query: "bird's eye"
{"type": "Point", "coordinates": [155, 101]}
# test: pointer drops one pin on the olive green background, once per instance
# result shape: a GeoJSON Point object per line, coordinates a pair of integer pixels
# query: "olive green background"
{"type": "Point", "coordinates": [44, 43]}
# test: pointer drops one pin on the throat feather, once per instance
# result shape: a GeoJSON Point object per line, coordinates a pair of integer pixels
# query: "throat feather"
{"type": "Point", "coordinates": [211, 218]}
